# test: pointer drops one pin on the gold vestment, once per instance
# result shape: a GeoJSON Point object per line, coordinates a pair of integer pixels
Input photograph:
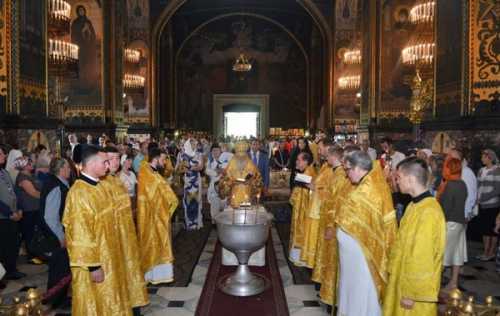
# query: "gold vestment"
{"type": "Point", "coordinates": [300, 200]}
{"type": "Point", "coordinates": [122, 208]}
{"type": "Point", "coordinates": [91, 238]}
{"type": "Point", "coordinates": [321, 197]}
{"type": "Point", "coordinates": [156, 203]}
{"type": "Point", "coordinates": [368, 216]}
{"type": "Point", "coordinates": [231, 183]}
{"type": "Point", "coordinates": [326, 265]}
{"type": "Point", "coordinates": [416, 260]}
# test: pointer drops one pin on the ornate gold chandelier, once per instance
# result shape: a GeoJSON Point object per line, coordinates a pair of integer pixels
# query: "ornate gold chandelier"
{"type": "Point", "coordinates": [59, 16]}
{"type": "Point", "coordinates": [422, 12]}
{"type": "Point", "coordinates": [420, 50]}
{"type": "Point", "coordinates": [349, 82]}
{"type": "Point", "coordinates": [242, 64]}
{"type": "Point", "coordinates": [418, 54]}
{"type": "Point", "coordinates": [133, 81]}
{"type": "Point", "coordinates": [132, 55]}
{"type": "Point", "coordinates": [352, 57]}
{"type": "Point", "coordinates": [61, 52]}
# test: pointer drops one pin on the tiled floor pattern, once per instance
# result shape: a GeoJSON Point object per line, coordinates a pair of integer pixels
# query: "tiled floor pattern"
{"type": "Point", "coordinates": [479, 279]}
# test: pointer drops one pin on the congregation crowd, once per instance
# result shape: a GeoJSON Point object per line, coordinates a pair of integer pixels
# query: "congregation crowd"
{"type": "Point", "coordinates": [376, 227]}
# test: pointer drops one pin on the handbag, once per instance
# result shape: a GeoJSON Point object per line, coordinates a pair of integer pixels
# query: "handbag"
{"type": "Point", "coordinates": [43, 243]}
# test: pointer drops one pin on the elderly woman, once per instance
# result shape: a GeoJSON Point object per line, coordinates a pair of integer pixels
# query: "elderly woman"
{"type": "Point", "coordinates": [489, 202]}
{"type": "Point", "coordinates": [28, 194]}
{"type": "Point", "coordinates": [452, 194]}
{"type": "Point", "coordinates": [9, 218]}
{"type": "Point", "coordinates": [190, 163]}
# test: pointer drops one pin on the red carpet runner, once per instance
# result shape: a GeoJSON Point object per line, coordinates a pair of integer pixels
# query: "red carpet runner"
{"type": "Point", "coordinates": [272, 302]}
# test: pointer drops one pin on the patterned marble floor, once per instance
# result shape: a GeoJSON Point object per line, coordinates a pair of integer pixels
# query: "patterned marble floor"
{"type": "Point", "coordinates": [479, 279]}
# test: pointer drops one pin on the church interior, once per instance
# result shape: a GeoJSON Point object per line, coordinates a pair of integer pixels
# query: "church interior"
{"type": "Point", "coordinates": [241, 113]}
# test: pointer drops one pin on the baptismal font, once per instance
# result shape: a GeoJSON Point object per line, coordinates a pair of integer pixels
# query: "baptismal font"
{"type": "Point", "coordinates": [243, 231]}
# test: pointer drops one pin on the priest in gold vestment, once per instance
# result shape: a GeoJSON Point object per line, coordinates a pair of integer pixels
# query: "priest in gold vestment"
{"type": "Point", "coordinates": [320, 199]}
{"type": "Point", "coordinates": [300, 200]}
{"type": "Point", "coordinates": [241, 180]}
{"type": "Point", "coordinates": [366, 229]}
{"type": "Point", "coordinates": [156, 203]}
{"type": "Point", "coordinates": [416, 259]}
{"type": "Point", "coordinates": [326, 263]}
{"type": "Point", "coordinates": [122, 208]}
{"type": "Point", "coordinates": [96, 261]}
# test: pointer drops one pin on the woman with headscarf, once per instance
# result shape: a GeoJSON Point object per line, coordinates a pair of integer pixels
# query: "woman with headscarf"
{"type": "Point", "coordinates": [9, 167]}
{"type": "Point", "coordinates": [488, 180]}
{"type": "Point", "coordinates": [452, 194]}
{"type": "Point", "coordinates": [10, 215]}
{"type": "Point", "coordinates": [190, 163]}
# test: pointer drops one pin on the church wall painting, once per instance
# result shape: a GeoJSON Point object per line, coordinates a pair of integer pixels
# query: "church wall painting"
{"type": "Point", "coordinates": [395, 77]}
{"type": "Point", "coordinates": [86, 31]}
{"type": "Point", "coordinates": [5, 17]}
{"type": "Point", "coordinates": [32, 58]}
{"type": "Point", "coordinates": [484, 61]}
{"type": "Point", "coordinates": [449, 42]}
{"type": "Point", "coordinates": [204, 68]}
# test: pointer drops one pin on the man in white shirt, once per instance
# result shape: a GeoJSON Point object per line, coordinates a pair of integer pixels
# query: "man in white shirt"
{"type": "Point", "coordinates": [365, 146]}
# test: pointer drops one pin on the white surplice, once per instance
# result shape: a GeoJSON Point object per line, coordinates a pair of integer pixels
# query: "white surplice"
{"type": "Point", "coordinates": [357, 295]}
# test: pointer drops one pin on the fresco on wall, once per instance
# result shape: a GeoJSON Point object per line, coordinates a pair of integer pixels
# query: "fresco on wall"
{"type": "Point", "coordinates": [32, 67]}
{"type": "Point", "coordinates": [4, 48]}
{"type": "Point", "coordinates": [87, 33]}
{"type": "Point", "coordinates": [346, 14]}
{"type": "Point", "coordinates": [395, 78]}
{"type": "Point", "coordinates": [204, 68]}
{"type": "Point", "coordinates": [138, 19]}
{"type": "Point", "coordinates": [449, 60]}
{"type": "Point", "coordinates": [484, 55]}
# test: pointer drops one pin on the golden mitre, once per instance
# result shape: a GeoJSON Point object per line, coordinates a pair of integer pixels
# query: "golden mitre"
{"type": "Point", "coordinates": [241, 148]}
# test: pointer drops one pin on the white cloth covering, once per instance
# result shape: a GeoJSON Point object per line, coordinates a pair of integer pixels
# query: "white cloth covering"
{"type": "Point", "coordinates": [456, 245]}
{"type": "Point", "coordinates": [357, 295]}
{"type": "Point", "coordinates": [162, 273]}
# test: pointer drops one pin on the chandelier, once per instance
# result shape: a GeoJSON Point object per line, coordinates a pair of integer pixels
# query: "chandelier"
{"type": "Point", "coordinates": [59, 16]}
{"type": "Point", "coordinates": [352, 57]}
{"type": "Point", "coordinates": [422, 12]}
{"type": "Point", "coordinates": [242, 64]}
{"type": "Point", "coordinates": [133, 81]}
{"type": "Point", "coordinates": [421, 54]}
{"type": "Point", "coordinates": [63, 56]}
{"type": "Point", "coordinates": [350, 82]}
{"type": "Point", "coordinates": [132, 55]}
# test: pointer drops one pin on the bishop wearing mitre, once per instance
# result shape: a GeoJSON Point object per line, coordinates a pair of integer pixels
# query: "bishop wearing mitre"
{"type": "Point", "coordinates": [241, 180]}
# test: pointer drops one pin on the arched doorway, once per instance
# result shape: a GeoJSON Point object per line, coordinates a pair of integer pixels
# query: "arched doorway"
{"type": "Point", "coordinates": [165, 94]}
